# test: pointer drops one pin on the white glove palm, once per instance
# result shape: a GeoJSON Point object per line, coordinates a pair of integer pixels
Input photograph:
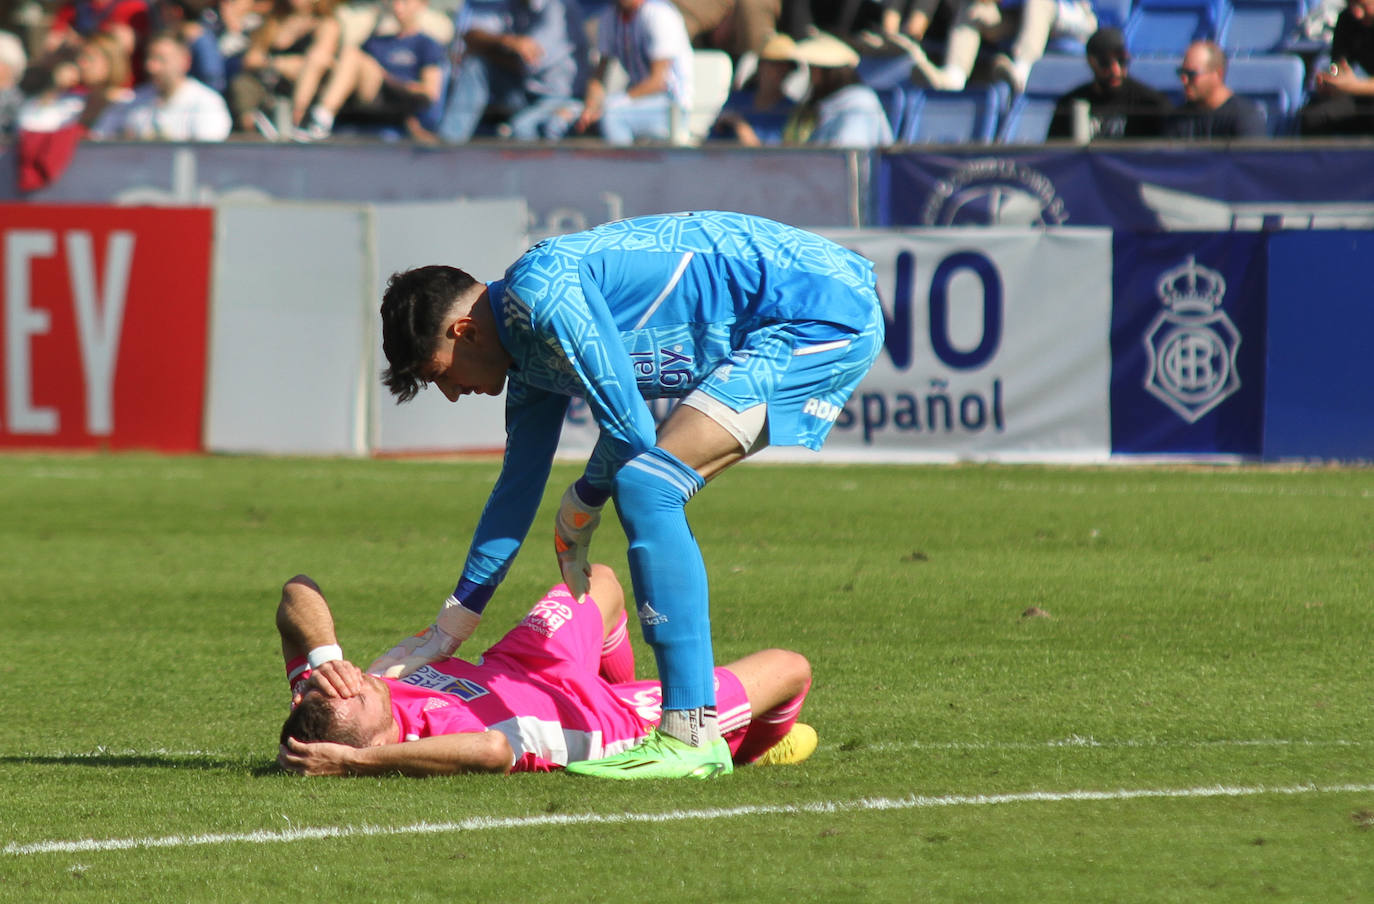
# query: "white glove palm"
{"type": "Point", "coordinates": [572, 537]}
{"type": "Point", "coordinates": [453, 625]}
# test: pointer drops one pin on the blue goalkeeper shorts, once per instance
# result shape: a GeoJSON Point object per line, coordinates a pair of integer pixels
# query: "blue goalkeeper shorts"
{"type": "Point", "coordinates": [801, 371]}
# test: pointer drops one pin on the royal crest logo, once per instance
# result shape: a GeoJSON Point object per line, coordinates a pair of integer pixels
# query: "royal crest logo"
{"type": "Point", "coordinates": [1192, 343]}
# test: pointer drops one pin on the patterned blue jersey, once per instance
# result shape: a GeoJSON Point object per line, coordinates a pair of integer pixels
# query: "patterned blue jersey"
{"type": "Point", "coordinates": [640, 309]}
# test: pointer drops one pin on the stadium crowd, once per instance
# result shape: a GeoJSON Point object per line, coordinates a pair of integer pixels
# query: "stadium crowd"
{"type": "Point", "coordinates": [852, 73]}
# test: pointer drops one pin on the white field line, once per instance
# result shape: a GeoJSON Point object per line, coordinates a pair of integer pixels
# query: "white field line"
{"type": "Point", "coordinates": [1079, 742]}
{"type": "Point", "coordinates": [485, 823]}
{"type": "Point", "coordinates": [1192, 488]}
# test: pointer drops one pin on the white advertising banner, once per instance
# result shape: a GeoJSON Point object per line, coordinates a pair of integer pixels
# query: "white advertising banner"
{"type": "Point", "coordinates": [288, 338]}
{"type": "Point", "coordinates": [295, 350]}
{"type": "Point", "coordinates": [997, 342]}
{"type": "Point", "coordinates": [997, 349]}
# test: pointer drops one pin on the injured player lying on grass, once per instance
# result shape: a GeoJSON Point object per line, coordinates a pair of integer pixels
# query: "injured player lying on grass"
{"type": "Point", "coordinates": [558, 688]}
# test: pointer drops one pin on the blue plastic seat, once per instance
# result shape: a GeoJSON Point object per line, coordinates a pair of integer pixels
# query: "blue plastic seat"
{"type": "Point", "coordinates": [1028, 120]}
{"type": "Point", "coordinates": [954, 117]}
{"type": "Point", "coordinates": [1053, 76]}
{"type": "Point", "coordinates": [878, 72]}
{"type": "Point", "coordinates": [1112, 12]}
{"type": "Point", "coordinates": [1259, 26]}
{"type": "Point", "coordinates": [893, 99]}
{"type": "Point", "coordinates": [1167, 27]}
{"type": "Point", "coordinates": [1160, 73]}
{"type": "Point", "coordinates": [1275, 82]}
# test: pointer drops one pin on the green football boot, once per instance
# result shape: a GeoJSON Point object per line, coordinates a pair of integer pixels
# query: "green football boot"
{"type": "Point", "coordinates": [660, 756]}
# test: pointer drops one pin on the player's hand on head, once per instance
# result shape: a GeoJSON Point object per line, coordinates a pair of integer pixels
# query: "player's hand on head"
{"type": "Point", "coordinates": [338, 678]}
{"type": "Point", "coordinates": [572, 539]}
{"type": "Point", "coordinates": [318, 758]}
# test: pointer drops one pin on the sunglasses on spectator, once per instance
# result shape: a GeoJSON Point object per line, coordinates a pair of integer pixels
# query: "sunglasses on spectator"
{"type": "Point", "coordinates": [1107, 59]}
{"type": "Point", "coordinates": [1190, 75]}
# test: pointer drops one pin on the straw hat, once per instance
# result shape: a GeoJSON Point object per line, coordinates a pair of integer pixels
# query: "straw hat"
{"type": "Point", "coordinates": [825, 51]}
{"type": "Point", "coordinates": [779, 48]}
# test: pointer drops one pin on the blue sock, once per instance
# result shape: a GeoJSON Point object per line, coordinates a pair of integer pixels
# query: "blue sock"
{"type": "Point", "coordinates": [668, 574]}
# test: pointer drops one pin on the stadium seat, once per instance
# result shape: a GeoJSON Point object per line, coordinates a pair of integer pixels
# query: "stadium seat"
{"type": "Point", "coordinates": [1053, 76]}
{"type": "Point", "coordinates": [893, 99]}
{"type": "Point", "coordinates": [1160, 73]}
{"type": "Point", "coordinates": [1167, 27]}
{"type": "Point", "coordinates": [1275, 82]}
{"type": "Point", "coordinates": [878, 72]}
{"type": "Point", "coordinates": [1259, 26]}
{"type": "Point", "coordinates": [953, 117]}
{"type": "Point", "coordinates": [1112, 12]}
{"type": "Point", "coordinates": [767, 125]}
{"type": "Point", "coordinates": [1028, 120]}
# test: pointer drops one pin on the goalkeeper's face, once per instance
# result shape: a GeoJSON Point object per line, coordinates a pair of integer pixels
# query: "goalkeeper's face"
{"type": "Point", "coordinates": [365, 719]}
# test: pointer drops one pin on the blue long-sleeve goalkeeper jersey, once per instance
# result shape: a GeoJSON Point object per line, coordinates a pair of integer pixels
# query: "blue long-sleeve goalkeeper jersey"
{"type": "Point", "coordinates": [639, 309]}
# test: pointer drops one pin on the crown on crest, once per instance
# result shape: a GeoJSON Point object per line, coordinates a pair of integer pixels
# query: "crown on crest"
{"type": "Point", "coordinates": [1191, 288]}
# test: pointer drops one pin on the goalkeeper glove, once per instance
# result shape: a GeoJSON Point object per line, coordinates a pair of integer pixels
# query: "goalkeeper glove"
{"type": "Point", "coordinates": [572, 535]}
{"type": "Point", "coordinates": [453, 625]}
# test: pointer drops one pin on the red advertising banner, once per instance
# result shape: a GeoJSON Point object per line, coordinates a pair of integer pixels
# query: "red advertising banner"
{"type": "Point", "coordinates": [103, 326]}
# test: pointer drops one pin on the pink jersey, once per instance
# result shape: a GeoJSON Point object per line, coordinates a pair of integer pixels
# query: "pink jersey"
{"type": "Point", "coordinates": [539, 687]}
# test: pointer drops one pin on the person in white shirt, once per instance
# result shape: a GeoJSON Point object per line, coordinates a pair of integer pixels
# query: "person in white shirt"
{"type": "Point", "coordinates": [171, 106]}
{"type": "Point", "coordinates": [649, 40]}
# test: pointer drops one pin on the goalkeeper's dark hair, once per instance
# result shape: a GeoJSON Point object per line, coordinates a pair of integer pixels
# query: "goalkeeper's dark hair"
{"type": "Point", "coordinates": [413, 310]}
{"type": "Point", "coordinates": [316, 718]}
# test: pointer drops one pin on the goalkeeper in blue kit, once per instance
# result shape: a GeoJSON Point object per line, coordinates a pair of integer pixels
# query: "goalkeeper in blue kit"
{"type": "Point", "coordinates": [761, 330]}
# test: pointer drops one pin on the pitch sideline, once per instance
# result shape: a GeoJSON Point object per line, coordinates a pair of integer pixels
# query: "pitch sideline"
{"type": "Point", "coordinates": [482, 823]}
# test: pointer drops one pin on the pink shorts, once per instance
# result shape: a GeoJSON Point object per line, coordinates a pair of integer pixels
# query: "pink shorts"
{"type": "Point", "coordinates": [560, 634]}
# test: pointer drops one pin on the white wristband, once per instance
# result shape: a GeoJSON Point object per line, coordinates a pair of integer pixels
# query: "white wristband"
{"type": "Point", "coordinates": [320, 655]}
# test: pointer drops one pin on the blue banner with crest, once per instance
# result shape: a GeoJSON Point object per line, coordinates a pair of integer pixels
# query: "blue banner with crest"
{"type": "Point", "coordinates": [1188, 342]}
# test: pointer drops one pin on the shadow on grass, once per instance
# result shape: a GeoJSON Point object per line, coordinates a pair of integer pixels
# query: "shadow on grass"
{"type": "Point", "coordinates": [256, 767]}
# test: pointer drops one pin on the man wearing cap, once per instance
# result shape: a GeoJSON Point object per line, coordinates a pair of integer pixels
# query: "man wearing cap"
{"type": "Point", "coordinates": [1119, 106]}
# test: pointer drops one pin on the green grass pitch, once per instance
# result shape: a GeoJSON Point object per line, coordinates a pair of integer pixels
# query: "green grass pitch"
{"type": "Point", "coordinates": [1032, 684]}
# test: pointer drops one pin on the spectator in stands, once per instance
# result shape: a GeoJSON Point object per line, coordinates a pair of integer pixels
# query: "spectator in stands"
{"type": "Point", "coordinates": [172, 106]}
{"type": "Point", "coordinates": [391, 80]}
{"type": "Point", "coordinates": [288, 58]}
{"type": "Point", "coordinates": [901, 27]}
{"type": "Point", "coordinates": [188, 18]}
{"type": "Point", "coordinates": [735, 26]}
{"type": "Point", "coordinates": [649, 41]}
{"type": "Point", "coordinates": [524, 63]}
{"type": "Point", "coordinates": [1119, 106]}
{"type": "Point", "coordinates": [767, 101]}
{"type": "Point", "coordinates": [129, 21]}
{"type": "Point", "coordinates": [77, 91]}
{"type": "Point", "coordinates": [1032, 23]}
{"type": "Point", "coordinates": [1210, 109]}
{"type": "Point", "coordinates": [13, 61]}
{"type": "Point", "coordinates": [846, 112]}
{"type": "Point", "coordinates": [1343, 101]}
{"type": "Point", "coordinates": [233, 23]}
{"type": "Point", "coordinates": [845, 19]}
{"type": "Point", "coordinates": [911, 18]}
